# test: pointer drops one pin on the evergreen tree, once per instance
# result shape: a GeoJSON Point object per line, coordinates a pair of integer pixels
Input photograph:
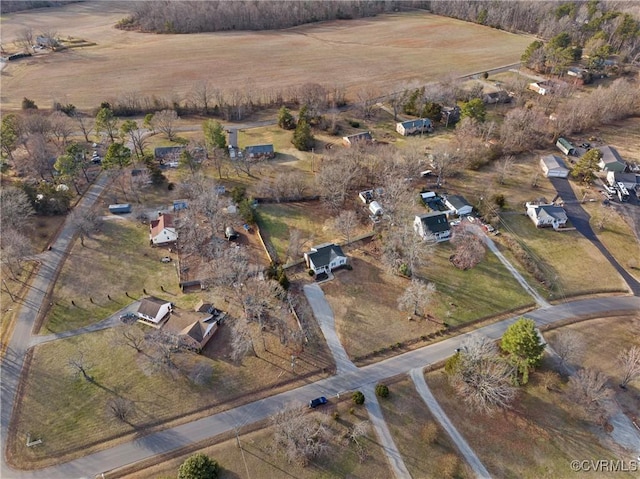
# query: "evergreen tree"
{"type": "Point", "coordinates": [199, 466]}
{"type": "Point", "coordinates": [285, 119]}
{"type": "Point", "coordinates": [303, 139]}
{"type": "Point", "coordinates": [522, 343]}
{"type": "Point", "coordinates": [586, 167]}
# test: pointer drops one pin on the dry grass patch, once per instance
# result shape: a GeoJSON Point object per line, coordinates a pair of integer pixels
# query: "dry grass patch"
{"type": "Point", "coordinates": [384, 51]}
{"type": "Point", "coordinates": [537, 439]}
{"type": "Point", "coordinates": [262, 461]}
{"type": "Point", "coordinates": [426, 448]}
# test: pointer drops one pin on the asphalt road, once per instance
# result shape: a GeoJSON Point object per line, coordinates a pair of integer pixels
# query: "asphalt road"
{"type": "Point", "coordinates": [580, 219]}
{"type": "Point", "coordinates": [173, 438]}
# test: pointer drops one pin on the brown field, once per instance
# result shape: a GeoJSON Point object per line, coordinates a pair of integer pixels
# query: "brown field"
{"type": "Point", "coordinates": [541, 435]}
{"type": "Point", "coordinates": [386, 51]}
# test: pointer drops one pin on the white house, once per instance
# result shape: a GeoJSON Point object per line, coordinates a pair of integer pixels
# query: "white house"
{"type": "Point", "coordinates": [422, 125]}
{"type": "Point", "coordinates": [432, 225]}
{"type": "Point", "coordinates": [162, 231]}
{"type": "Point", "coordinates": [362, 137]}
{"type": "Point", "coordinates": [553, 166]}
{"type": "Point", "coordinates": [154, 311]}
{"type": "Point", "coordinates": [546, 215]}
{"type": "Point", "coordinates": [325, 257]}
{"type": "Point", "coordinates": [458, 205]}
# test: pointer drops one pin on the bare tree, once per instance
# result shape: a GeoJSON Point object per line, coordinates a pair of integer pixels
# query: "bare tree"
{"type": "Point", "coordinates": [588, 388]}
{"type": "Point", "coordinates": [629, 362]}
{"type": "Point", "coordinates": [202, 96]}
{"type": "Point", "coordinates": [505, 167]}
{"type": "Point", "coordinates": [80, 365]}
{"type": "Point", "coordinates": [345, 223]}
{"type": "Point", "coordinates": [61, 128]}
{"type": "Point", "coordinates": [165, 122]}
{"type": "Point", "coordinates": [121, 408]}
{"type": "Point", "coordinates": [241, 340]}
{"type": "Point", "coordinates": [86, 223]}
{"type": "Point", "coordinates": [25, 39]}
{"type": "Point", "coordinates": [163, 346]}
{"type": "Point", "coordinates": [15, 247]}
{"type": "Point", "coordinates": [37, 162]}
{"type": "Point", "coordinates": [470, 249]}
{"type": "Point", "coordinates": [417, 297]}
{"type": "Point", "coordinates": [131, 336]}
{"type": "Point", "coordinates": [301, 436]}
{"type": "Point", "coordinates": [85, 123]}
{"type": "Point", "coordinates": [366, 99]}
{"type": "Point", "coordinates": [15, 208]}
{"type": "Point", "coordinates": [355, 435]}
{"type": "Point", "coordinates": [294, 245]}
{"type": "Point", "coordinates": [482, 378]}
{"type": "Point", "coordinates": [569, 346]}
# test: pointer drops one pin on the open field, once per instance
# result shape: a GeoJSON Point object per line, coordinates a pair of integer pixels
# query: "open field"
{"type": "Point", "coordinates": [542, 434]}
{"type": "Point", "coordinates": [72, 416]}
{"type": "Point", "coordinates": [384, 51]}
{"type": "Point", "coordinates": [425, 447]}
{"type": "Point", "coordinates": [364, 300]}
{"type": "Point", "coordinates": [263, 462]}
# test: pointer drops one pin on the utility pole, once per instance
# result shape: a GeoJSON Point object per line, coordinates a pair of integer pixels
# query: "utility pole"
{"type": "Point", "coordinates": [246, 468]}
{"type": "Point", "coordinates": [8, 290]}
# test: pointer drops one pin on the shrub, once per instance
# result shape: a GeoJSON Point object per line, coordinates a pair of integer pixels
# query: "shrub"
{"type": "Point", "coordinates": [382, 390]}
{"type": "Point", "coordinates": [354, 123]}
{"type": "Point", "coordinates": [199, 466]}
{"type": "Point", "coordinates": [311, 272]}
{"type": "Point", "coordinates": [336, 415]}
{"type": "Point", "coordinates": [404, 269]}
{"type": "Point", "coordinates": [352, 410]}
{"type": "Point", "coordinates": [429, 432]}
{"type": "Point", "coordinates": [238, 193]}
{"type": "Point", "coordinates": [358, 398]}
{"type": "Point", "coordinates": [28, 104]}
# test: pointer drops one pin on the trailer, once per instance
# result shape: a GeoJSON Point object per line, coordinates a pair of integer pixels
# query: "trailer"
{"type": "Point", "coordinates": [120, 209]}
{"type": "Point", "coordinates": [622, 192]}
{"type": "Point", "coordinates": [375, 208]}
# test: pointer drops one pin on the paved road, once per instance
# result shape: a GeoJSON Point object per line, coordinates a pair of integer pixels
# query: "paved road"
{"type": "Point", "coordinates": [580, 219]}
{"type": "Point", "coordinates": [417, 377]}
{"type": "Point", "coordinates": [179, 436]}
{"type": "Point", "coordinates": [31, 305]}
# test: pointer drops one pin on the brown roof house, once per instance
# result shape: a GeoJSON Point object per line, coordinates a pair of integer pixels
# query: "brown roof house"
{"type": "Point", "coordinates": [154, 311]}
{"type": "Point", "coordinates": [162, 231]}
{"type": "Point", "coordinates": [195, 328]}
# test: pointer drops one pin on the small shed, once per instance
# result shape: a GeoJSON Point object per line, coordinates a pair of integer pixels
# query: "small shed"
{"type": "Point", "coordinates": [553, 166]}
{"type": "Point", "coordinates": [375, 208]}
{"type": "Point", "coordinates": [180, 205]}
{"type": "Point", "coordinates": [362, 137]}
{"type": "Point", "coordinates": [120, 209]}
{"type": "Point", "coordinates": [565, 146]}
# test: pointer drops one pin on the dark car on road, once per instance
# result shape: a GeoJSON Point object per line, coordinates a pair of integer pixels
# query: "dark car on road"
{"type": "Point", "coordinates": [317, 402]}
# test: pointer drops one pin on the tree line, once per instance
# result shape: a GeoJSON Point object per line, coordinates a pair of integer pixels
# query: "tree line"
{"type": "Point", "coordinates": [215, 16]}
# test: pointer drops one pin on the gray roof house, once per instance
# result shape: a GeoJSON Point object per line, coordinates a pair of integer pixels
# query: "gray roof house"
{"type": "Point", "coordinates": [168, 153]}
{"type": "Point", "coordinates": [154, 311]}
{"type": "Point", "coordinates": [553, 165]}
{"type": "Point", "coordinates": [432, 225]}
{"type": "Point", "coordinates": [364, 136]}
{"type": "Point", "coordinates": [611, 159]}
{"type": "Point", "coordinates": [325, 257]}
{"type": "Point", "coordinates": [255, 152]}
{"type": "Point", "coordinates": [421, 125]}
{"type": "Point", "coordinates": [458, 205]}
{"type": "Point", "coordinates": [546, 215]}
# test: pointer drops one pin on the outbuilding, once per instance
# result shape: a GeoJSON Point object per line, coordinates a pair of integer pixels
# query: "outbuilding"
{"type": "Point", "coordinates": [553, 166]}
{"type": "Point", "coordinates": [375, 208]}
{"type": "Point", "coordinates": [120, 209]}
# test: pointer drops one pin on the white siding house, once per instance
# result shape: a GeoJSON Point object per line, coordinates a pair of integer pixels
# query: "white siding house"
{"type": "Point", "coordinates": [546, 215]}
{"type": "Point", "coordinates": [432, 225]}
{"type": "Point", "coordinates": [422, 125]}
{"type": "Point", "coordinates": [325, 257]}
{"type": "Point", "coordinates": [162, 231]}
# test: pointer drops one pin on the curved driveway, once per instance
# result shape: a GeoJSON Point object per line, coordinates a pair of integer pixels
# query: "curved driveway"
{"type": "Point", "coordinates": [173, 438]}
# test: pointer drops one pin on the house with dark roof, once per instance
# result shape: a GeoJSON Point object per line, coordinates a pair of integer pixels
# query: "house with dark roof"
{"type": "Point", "coordinates": [259, 152]}
{"type": "Point", "coordinates": [553, 166]}
{"type": "Point", "coordinates": [154, 311]}
{"type": "Point", "coordinates": [162, 231]}
{"type": "Point", "coordinates": [544, 215]}
{"type": "Point", "coordinates": [494, 97]}
{"type": "Point", "coordinates": [611, 159]}
{"type": "Point", "coordinates": [410, 127]}
{"type": "Point", "coordinates": [362, 137]}
{"type": "Point", "coordinates": [325, 257]}
{"type": "Point", "coordinates": [168, 153]}
{"type": "Point", "coordinates": [458, 205]}
{"type": "Point", "coordinates": [432, 226]}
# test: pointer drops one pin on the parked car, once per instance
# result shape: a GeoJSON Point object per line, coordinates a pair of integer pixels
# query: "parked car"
{"type": "Point", "coordinates": [129, 318]}
{"type": "Point", "coordinates": [166, 259]}
{"type": "Point", "coordinates": [314, 403]}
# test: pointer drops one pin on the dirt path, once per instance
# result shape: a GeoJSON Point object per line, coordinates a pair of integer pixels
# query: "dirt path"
{"type": "Point", "coordinates": [429, 399]}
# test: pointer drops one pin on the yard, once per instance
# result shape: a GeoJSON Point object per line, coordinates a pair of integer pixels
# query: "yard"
{"type": "Point", "coordinates": [425, 447]}
{"type": "Point", "coordinates": [364, 300]}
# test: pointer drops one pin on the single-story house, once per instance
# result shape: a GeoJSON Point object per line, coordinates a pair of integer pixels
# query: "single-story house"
{"type": "Point", "coordinates": [259, 152]}
{"type": "Point", "coordinates": [611, 159]}
{"type": "Point", "coordinates": [422, 125]}
{"type": "Point", "coordinates": [553, 166]}
{"type": "Point", "coordinates": [542, 87]}
{"type": "Point", "coordinates": [364, 136]}
{"type": "Point", "coordinates": [565, 146]}
{"type": "Point", "coordinates": [500, 96]}
{"type": "Point", "coordinates": [458, 205]}
{"type": "Point", "coordinates": [546, 215]}
{"type": "Point", "coordinates": [631, 181]}
{"type": "Point", "coordinates": [432, 225]}
{"type": "Point", "coordinates": [168, 153]}
{"type": "Point", "coordinates": [577, 72]}
{"type": "Point", "coordinates": [195, 328]}
{"type": "Point", "coordinates": [162, 231]}
{"type": "Point", "coordinates": [154, 311]}
{"type": "Point", "coordinates": [325, 257]}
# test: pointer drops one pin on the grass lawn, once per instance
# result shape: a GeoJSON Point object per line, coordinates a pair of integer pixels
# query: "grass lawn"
{"type": "Point", "coordinates": [115, 261]}
{"type": "Point", "coordinates": [537, 439]}
{"type": "Point", "coordinates": [364, 300]}
{"type": "Point", "coordinates": [616, 235]}
{"type": "Point", "coordinates": [262, 461]}
{"type": "Point", "coordinates": [71, 414]}
{"type": "Point", "coordinates": [425, 447]}
{"type": "Point", "coordinates": [564, 254]}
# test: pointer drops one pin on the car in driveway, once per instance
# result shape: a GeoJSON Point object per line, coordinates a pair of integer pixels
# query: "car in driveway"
{"type": "Point", "coordinates": [128, 318]}
{"type": "Point", "coordinates": [314, 403]}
